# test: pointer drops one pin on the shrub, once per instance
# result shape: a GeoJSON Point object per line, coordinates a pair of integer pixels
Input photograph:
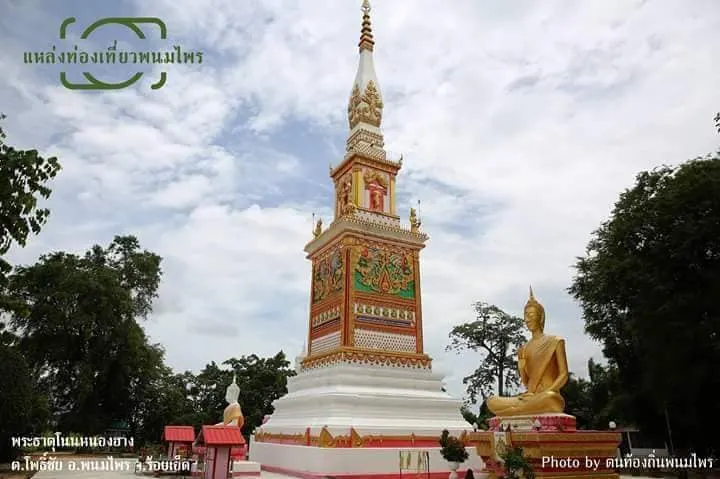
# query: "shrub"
{"type": "Point", "coordinates": [515, 464]}
{"type": "Point", "coordinates": [452, 449]}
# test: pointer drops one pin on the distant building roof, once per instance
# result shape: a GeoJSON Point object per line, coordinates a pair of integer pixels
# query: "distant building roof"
{"type": "Point", "coordinates": [179, 433]}
{"type": "Point", "coordinates": [221, 436]}
{"type": "Point", "coordinates": [118, 426]}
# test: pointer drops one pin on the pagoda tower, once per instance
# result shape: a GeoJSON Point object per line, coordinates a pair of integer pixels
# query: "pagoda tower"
{"type": "Point", "coordinates": [365, 389]}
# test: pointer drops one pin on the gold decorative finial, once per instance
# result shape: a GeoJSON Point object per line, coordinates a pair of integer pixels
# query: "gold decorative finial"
{"type": "Point", "coordinates": [366, 37]}
{"type": "Point", "coordinates": [533, 303]}
{"type": "Point", "coordinates": [414, 221]}
{"type": "Point", "coordinates": [318, 227]}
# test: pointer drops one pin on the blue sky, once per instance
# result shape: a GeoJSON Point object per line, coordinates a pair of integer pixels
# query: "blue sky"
{"type": "Point", "coordinates": [520, 122]}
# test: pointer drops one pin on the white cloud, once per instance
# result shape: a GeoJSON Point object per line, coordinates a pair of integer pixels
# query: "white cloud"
{"type": "Point", "coordinates": [520, 123]}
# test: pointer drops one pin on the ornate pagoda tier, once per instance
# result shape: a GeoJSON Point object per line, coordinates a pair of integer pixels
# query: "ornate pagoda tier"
{"type": "Point", "coordinates": [365, 389]}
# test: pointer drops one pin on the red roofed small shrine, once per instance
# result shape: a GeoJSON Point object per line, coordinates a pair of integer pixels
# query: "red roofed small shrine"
{"type": "Point", "coordinates": [179, 438]}
{"type": "Point", "coordinates": [218, 441]}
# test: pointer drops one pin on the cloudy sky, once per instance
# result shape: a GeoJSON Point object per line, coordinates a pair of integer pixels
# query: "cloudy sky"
{"type": "Point", "coordinates": [520, 122]}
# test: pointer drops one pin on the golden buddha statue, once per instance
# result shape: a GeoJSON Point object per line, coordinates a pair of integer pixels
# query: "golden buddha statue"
{"type": "Point", "coordinates": [318, 228]}
{"type": "Point", "coordinates": [542, 364]}
{"type": "Point", "coordinates": [232, 416]}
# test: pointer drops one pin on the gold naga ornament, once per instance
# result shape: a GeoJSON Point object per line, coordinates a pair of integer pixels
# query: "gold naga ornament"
{"type": "Point", "coordinates": [414, 221]}
{"type": "Point", "coordinates": [543, 368]}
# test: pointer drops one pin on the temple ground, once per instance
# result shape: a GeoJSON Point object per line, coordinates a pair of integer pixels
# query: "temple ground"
{"type": "Point", "coordinates": [129, 472]}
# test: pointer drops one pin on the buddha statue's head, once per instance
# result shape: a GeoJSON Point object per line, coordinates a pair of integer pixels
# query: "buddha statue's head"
{"type": "Point", "coordinates": [232, 392]}
{"type": "Point", "coordinates": [534, 314]}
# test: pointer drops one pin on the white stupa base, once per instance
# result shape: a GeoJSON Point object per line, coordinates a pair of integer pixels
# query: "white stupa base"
{"type": "Point", "coordinates": [349, 420]}
{"type": "Point", "coordinates": [351, 463]}
{"type": "Point", "coordinates": [246, 469]}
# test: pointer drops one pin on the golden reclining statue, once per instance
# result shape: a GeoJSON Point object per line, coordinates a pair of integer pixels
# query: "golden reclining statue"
{"type": "Point", "coordinates": [542, 364]}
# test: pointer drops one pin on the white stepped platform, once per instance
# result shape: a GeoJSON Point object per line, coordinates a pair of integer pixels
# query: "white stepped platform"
{"type": "Point", "coordinates": [378, 401]}
{"type": "Point", "coordinates": [245, 469]}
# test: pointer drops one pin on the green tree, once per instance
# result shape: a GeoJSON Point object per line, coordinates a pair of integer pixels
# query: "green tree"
{"type": "Point", "coordinates": [207, 392]}
{"type": "Point", "coordinates": [649, 286]}
{"type": "Point", "coordinates": [79, 331]}
{"type": "Point", "coordinates": [577, 400]}
{"type": "Point", "coordinates": [480, 419]}
{"type": "Point", "coordinates": [197, 399]}
{"type": "Point", "coordinates": [597, 400]}
{"type": "Point", "coordinates": [166, 401]}
{"type": "Point", "coordinates": [15, 399]}
{"type": "Point", "coordinates": [468, 415]}
{"type": "Point", "coordinates": [261, 381]}
{"type": "Point", "coordinates": [496, 335]}
{"type": "Point", "coordinates": [24, 175]}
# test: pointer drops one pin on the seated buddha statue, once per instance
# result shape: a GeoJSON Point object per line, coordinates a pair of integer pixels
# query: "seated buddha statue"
{"type": "Point", "coordinates": [232, 416]}
{"type": "Point", "coordinates": [542, 364]}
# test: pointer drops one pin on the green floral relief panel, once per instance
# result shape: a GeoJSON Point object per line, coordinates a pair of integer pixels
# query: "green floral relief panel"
{"type": "Point", "coordinates": [379, 270]}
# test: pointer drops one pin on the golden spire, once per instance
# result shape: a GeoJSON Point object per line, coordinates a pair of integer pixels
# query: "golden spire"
{"type": "Point", "coordinates": [533, 303]}
{"type": "Point", "coordinates": [366, 36]}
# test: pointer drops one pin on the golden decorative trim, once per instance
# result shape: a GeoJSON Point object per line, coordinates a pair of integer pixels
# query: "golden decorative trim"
{"type": "Point", "coordinates": [366, 144]}
{"type": "Point", "coordinates": [411, 239]}
{"type": "Point", "coordinates": [420, 236]}
{"type": "Point", "coordinates": [357, 158]}
{"type": "Point", "coordinates": [379, 213]}
{"type": "Point", "coordinates": [354, 439]}
{"type": "Point", "coordinates": [366, 37]}
{"type": "Point", "coordinates": [373, 176]}
{"type": "Point", "coordinates": [299, 438]}
{"type": "Point", "coordinates": [357, 187]}
{"type": "Point", "coordinates": [554, 439]}
{"type": "Point", "coordinates": [351, 355]}
{"type": "Point", "coordinates": [570, 437]}
{"type": "Point", "coordinates": [387, 301]}
{"type": "Point", "coordinates": [366, 106]}
{"type": "Point", "coordinates": [393, 210]}
{"type": "Point", "coordinates": [326, 439]}
{"type": "Point", "coordinates": [326, 316]}
{"type": "Point", "coordinates": [400, 249]}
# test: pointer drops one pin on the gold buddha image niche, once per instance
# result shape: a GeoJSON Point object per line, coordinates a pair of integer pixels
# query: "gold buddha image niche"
{"type": "Point", "coordinates": [543, 368]}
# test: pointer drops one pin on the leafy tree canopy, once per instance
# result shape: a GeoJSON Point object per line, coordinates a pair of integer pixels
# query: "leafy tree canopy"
{"type": "Point", "coordinates": [496, 335]}
{"type": "Point", "coordinates": [24, 176]}
{"type": "Point", "coordinates": [649, 286]}
{"type": "Point", "coordinates": [15, 398]}
{"type": "Point", "coordinates": [597, 400]}
{"type": "Point", "coordinates": [79, 332]}
{"type": "Point", "coordinates": [197, 399]}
